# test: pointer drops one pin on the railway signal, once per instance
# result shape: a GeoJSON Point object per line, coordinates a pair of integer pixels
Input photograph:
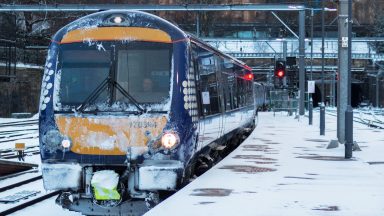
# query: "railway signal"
{"type": "Point", "coordinates": [280, 69]}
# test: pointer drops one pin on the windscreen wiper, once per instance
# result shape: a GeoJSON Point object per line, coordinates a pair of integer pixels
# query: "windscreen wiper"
{"type": "Point", "coordinates": [127, 95]}
{"type": "Point", "coordinates": [103, 85]}
{"type": "Point", "coordinates": [94, 95]}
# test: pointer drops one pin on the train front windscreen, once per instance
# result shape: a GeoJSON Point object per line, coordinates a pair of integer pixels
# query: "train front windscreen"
{"type": "Point", "coordinates": [105, 76]}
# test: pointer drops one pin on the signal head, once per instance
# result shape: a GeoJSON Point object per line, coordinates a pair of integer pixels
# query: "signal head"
{"type": "Point", "coordinates": [280, 69]}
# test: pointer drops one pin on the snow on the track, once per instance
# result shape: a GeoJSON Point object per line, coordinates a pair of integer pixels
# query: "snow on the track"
{"type": "Point", "coordinates": [46, 207]}
{"type": "Point", "coordinates": [30, 137]}
{"type": "Point", "coordinates": [274, 173]}
{"type": "Point", "coordinates": [270, 174]}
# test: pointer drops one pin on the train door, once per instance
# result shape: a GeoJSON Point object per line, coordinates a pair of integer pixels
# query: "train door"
{"type": "Point", "coordinates": [209, 95]}
{"type": "Point", "coordinates": [222, 92]}
{"type": "Point", "coordinates": [228, 87]}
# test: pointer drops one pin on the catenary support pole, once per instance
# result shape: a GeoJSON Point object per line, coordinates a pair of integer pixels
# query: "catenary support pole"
{"type": "Point", "coordinates": [310, 102]}
{"type": "Point", "coordinates": [301, 60]}
{"type": "Point", "coordinates": [342, 83]}
{"type": "Point", "coordinates": [198, 24]}
{"type": "Point", "coordinates": [322, 106]}
{"type": "Point", "coordinates": [349, 111]}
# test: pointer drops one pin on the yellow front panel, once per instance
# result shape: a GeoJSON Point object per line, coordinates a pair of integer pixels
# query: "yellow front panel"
{"type": "Point", "coordinates": [109, 135]}
{"type": "Point", "coordinates": [117, 33]}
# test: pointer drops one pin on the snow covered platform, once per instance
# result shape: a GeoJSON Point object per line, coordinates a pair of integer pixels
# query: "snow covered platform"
{"type": "Point", "coordinates": [284, 168]}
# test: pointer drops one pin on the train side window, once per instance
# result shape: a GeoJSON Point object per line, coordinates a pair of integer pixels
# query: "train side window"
{"type": "Point", "coordinates": [231, 89]}
{"type": "Point", "coordinates": [240, 87]}
{"type": "Point", "coordinates": [227, 82]}
{"type": "Point", "coordinates": [208, 83]}
{"type": "Point", "coordinates": [249, 90]}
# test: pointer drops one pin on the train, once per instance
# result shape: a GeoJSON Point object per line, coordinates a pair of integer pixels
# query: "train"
{"type": "Point", "coordinates": [132, 107]}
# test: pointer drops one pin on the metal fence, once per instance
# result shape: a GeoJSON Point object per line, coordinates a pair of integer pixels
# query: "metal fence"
{"type": "Point", "coordinates": [284, 100]}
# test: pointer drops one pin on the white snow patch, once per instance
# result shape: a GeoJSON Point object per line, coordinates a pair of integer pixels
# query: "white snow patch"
{"type": "Point", "coordinates": [100, 47]}
{"type": "Point", "coordinates": [107, 179]}
{"type": "Point", "coordinates": [296, 184]}
{"type": "Point", "coordinates": [94, 138]}
{"type": "Point", "coordinates": [158, 175]}
{"type": "Point", "coordinates": [61, 176]}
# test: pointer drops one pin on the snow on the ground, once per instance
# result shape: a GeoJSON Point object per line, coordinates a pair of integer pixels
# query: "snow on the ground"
{"type": "Point", "coordinates": [46, 207]}
{"type": "Point", "coordinates": [29, 140]}
{"type": "Point", "coordinates": [33, 186]}
{"type": "Point", "coordinates": [271, 173]}
{"type": "Point", "coordinates": [7, 120]}
{"type": "Point", "coordinates": [28, 134]}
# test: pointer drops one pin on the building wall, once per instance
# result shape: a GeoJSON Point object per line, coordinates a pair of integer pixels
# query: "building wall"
{"type": "Point", "coordinates": [21, 94]}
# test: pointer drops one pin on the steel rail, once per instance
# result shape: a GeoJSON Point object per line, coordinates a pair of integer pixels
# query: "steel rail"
{"type": "Point", "coordinates": [17, 123]}
{"type": "Point", "coordinates": [5, 188]}
{"type": "Point", "coordinates": [361, 121]}
{"type": "Point", "coordinates": [11, 156]}
{"type": "Point", "coordinates": [29, 203]}
{"type": "Point", "coordinates": [15, 135]}
{"type": "Point", "coordinates": [21, 138]}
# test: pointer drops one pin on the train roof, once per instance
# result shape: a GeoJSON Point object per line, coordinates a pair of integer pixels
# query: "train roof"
{"type": "Point", "coordinates": [131, 18]}
{"type": "Point", "coordinates": [128, 18]}
{"type": "Point", "coordinates": [207, 46]}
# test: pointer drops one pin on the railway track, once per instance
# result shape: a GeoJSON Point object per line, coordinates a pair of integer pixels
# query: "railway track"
{"type": "Point", "coordinates": [6, 132]}
{"type": "Point", "coordinates": [20, 123]}
{"type": "Point", "coordinates": [29, 203]}
{"type": "Point", "coordinates": [365, 118]}
{"type": "Point", "coordinates": [11, 153]}
{"type": "Point", "coordinates": [16, 135]}
{"type": "Point", "coordinates": [20, 183]}
{"type": "Point", "coordinates": [22, 195]}
{"type": "Point", "coordinates": [20, 138]}
{"type": "Point", "coordinates": [10, 150]}
{"type": "Point", "coordinates": [19, 132]}
{"type": "Point", "coordinates": [20, 191]}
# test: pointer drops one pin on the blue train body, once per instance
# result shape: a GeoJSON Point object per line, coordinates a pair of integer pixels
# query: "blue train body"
{"type": "Point", "coordinates": [207, 102]}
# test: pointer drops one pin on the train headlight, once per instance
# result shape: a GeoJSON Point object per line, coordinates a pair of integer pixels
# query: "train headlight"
{"type": "Point", "coordinates": [117, 19]}
{"type": "Point", "coordinates": [170, 140]}
{"type": "Point", "coordinates": [66, 144]}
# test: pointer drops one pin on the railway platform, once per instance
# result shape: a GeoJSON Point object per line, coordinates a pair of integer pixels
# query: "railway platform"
{"type": "Point", "coordinates": [285, 168]}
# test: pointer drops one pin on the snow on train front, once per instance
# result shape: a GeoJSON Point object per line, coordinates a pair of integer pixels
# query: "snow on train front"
{"type": "Point", "coordinates": [114, 127]}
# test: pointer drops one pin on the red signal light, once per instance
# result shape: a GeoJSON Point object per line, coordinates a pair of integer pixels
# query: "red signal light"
{"type": "Point", "coordinates": [280, 69]}
{"type": "Point", "coordinates": [280, 73]}
{"type": "Point", "coordinates": [248, 76]}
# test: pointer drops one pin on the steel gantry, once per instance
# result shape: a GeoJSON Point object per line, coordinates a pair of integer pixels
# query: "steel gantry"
{"type": "Point", "coordinates": [185, 7]}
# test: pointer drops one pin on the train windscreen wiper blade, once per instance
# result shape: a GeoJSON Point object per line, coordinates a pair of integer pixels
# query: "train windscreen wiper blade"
{"type": "Point", "coordinates": [93, 96]}
{"type": "Point", "coordinates": [95, 93]}
{"type": "Point", "coordinates": [127, 95]}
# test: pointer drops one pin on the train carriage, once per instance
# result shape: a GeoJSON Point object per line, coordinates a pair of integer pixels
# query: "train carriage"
{"type": "Point", "coordinates": [132, 106]}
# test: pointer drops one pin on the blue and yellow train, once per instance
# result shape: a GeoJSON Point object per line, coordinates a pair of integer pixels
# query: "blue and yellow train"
{"type": "Point", "coordinates": [132, 106]}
